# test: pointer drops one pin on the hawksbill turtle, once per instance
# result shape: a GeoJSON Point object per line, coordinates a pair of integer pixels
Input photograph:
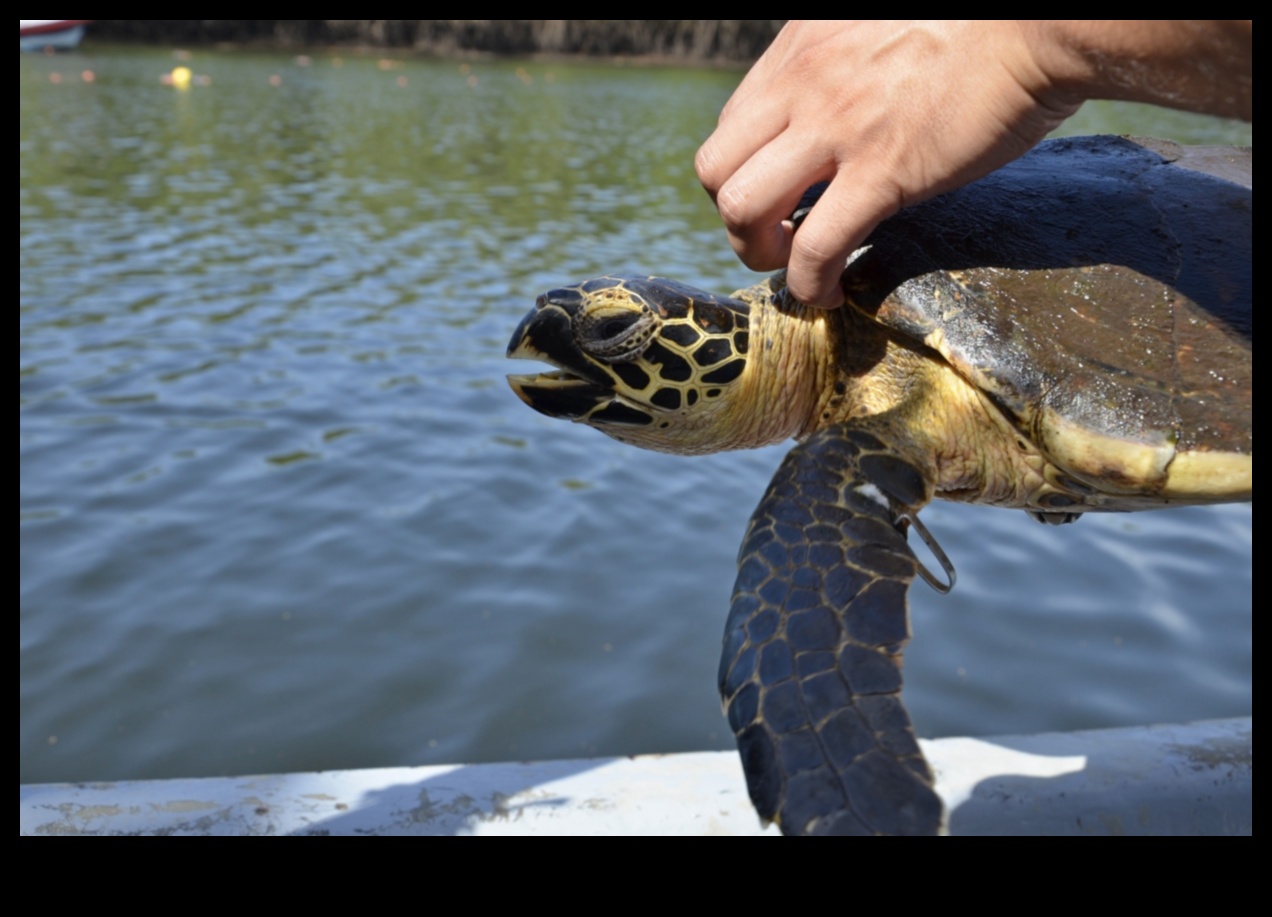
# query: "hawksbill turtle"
{"type": "Point", "coordinates": [1070, 334]}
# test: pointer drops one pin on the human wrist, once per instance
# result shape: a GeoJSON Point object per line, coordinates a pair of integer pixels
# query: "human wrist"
{"type": "Point", "coordinates": [1196, 65]}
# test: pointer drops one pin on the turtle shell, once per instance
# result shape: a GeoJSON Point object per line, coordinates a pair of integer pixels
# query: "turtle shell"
{"type": "Point", "coordinates": [1099, 291]}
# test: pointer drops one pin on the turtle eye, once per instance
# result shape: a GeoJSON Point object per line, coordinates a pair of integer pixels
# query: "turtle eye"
{"type": "Point", "coordinates": [614, 334]}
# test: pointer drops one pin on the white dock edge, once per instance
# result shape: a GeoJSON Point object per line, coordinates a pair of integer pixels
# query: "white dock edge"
{"type": "Point", "coordinates": [1192, 779]}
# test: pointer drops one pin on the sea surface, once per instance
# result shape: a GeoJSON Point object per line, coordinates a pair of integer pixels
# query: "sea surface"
{"type": "Point", "coordinates": [279, 510]}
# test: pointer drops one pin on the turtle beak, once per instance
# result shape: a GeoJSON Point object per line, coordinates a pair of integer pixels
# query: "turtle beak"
{"type": "Point", "coordinates": [578, 386]}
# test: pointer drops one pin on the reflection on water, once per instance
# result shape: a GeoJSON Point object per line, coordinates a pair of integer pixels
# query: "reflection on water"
{"type": "Point", "coordinates": [279, 510]}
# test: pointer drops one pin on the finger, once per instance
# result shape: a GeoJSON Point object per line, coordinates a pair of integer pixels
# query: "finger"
{"type": "Point", "coordinates": [736, 140]}
{"type": "Point", "coordinates": [848, 210]}
{"type": "Point", "coordinates": [757, 201]}
{"type": "Point", "coordinates": [756, 113]}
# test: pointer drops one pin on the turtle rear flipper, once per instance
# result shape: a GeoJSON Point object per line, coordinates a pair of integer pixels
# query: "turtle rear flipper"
{"type": "Point", "coordinates": [811, 672]}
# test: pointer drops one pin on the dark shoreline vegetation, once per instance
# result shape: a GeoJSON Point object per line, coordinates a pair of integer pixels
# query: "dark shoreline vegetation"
{"type": "Point", "coordinates": [717, 40]}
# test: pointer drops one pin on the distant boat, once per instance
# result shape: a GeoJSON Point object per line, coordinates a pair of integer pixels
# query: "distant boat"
{"type": "Point", "coordinates": [57, 34]}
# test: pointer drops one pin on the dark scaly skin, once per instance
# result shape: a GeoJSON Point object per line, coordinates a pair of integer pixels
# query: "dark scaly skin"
{"type": "Point", "coordinates": [811, 671]}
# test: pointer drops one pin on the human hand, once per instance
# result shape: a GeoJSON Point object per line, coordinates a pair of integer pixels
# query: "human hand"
{"type": "Point", "coordinates": [890, 113]}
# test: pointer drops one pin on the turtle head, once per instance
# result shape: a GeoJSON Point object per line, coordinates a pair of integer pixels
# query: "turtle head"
{"type": "Point", "coordinates": [645, 360]}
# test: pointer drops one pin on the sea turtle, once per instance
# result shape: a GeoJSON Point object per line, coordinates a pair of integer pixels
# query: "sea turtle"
{"type": "Point", "coordinates": [1069, 334]}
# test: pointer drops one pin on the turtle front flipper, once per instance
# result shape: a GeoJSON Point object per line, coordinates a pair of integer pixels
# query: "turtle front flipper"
{"type": "Point", "coordinates": [811, 672]}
